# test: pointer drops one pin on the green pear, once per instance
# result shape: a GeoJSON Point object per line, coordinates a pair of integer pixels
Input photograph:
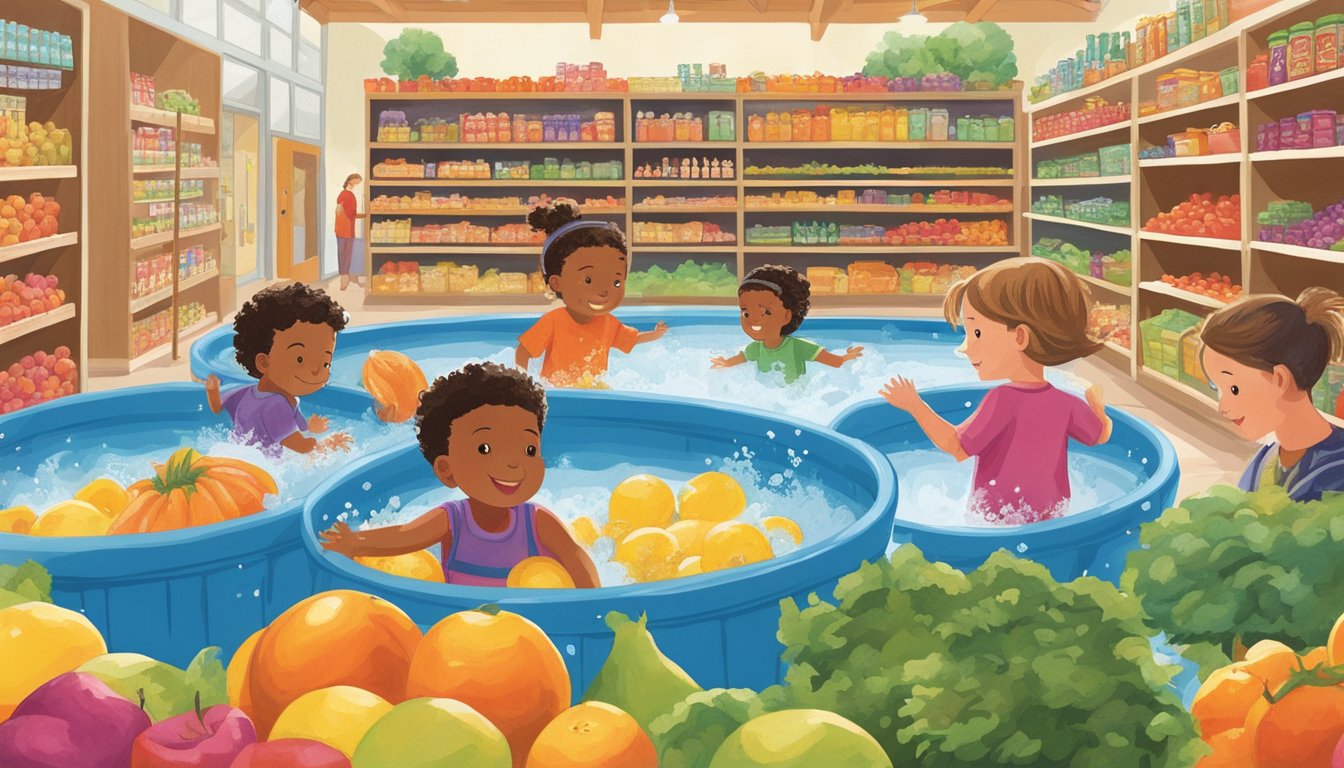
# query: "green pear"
{"type": "Point", "coordinates": [134, 676]}
{"type": "Point", "coordinates": [800, 738]}
{"type": "Point", "coordinates": [637, 677]}
{"type": "Point", "coordinates": [428, 733]}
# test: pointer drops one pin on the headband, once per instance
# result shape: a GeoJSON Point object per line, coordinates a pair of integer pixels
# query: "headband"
{"type": "Point", "coordinates": [566, 229]}
{"type": "Point", "coordinates": [774, 287]}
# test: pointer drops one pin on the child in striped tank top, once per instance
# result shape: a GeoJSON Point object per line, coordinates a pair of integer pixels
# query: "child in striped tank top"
{"type": "Point", "coordinates": [480, 430]}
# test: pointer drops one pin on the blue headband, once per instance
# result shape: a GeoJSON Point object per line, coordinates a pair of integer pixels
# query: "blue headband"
{"type": "Point", "coordinates": [566, 229]}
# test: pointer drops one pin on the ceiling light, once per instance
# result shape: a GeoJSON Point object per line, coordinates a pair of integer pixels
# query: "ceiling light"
{"type": "Point", "coordinates": [671, 16]}
{"type": "Point", "coordinates": [914, 18]}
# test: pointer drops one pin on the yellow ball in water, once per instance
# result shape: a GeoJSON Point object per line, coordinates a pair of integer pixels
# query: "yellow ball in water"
{"type": "Point", "coordinates": [105, 494]}
{"type": "Point", "coordinates": [640, 501]}
{"type": "Point", "coordinates": [649, 554]}
{"type": "Point", "coordinates": [689, 567]}
{"type": "Point", "coordinates": [777, 523]}
{"type": "Point", "coordinates": [734, 544]}
{"type": "Point", "coordinates": [585, 531]}
{"type": "Point", "coordinates": [422, 565]}
{"type": "Point", "coordinates": [691, 534]}
{"type": "Point", "coordinates": [712, 496]}
{"type": "Point", "coordinates": [540, 573]}
{"type": "Point", "coordinates": [72, 518]}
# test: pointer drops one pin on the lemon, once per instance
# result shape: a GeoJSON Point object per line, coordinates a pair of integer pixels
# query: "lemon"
{"type": "Point", "coordinates": [585, 531]}
{"type": "Point", "coordinates": [689, 567]}
{"type": "Point", "coordinates": [41, 641]}
{"type": "Point", "coordinates": [540, 573]}
{"type": "Point", "coordinates": [422, 565]}
{"type": "Point", "coordinates": [777, 523]}
{"type": "Point", "coordinates": [649, 554]}
{"type": "Point", "coordinates": [640, 501]}
{"type": "Point", "coordinates": [690, 534]}
{"type": "Point", "coordinates": [733, 544]}
{"type": "Point", "coordinates": [105, 494]}
{"type": "Point", "coordinates": [338, 716]}
{"type": "Point", "coordinates": [17, 520]}
{"type": "Point", "coordinates": [72, 518]}
{"type": "Point", "coordinates": [712, 496]}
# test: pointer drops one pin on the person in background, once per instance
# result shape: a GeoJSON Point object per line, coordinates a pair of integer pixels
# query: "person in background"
{"type": "Point", "coordinates": [1264, 354]}
{"type": "Point", "coordinates": [347, 212]}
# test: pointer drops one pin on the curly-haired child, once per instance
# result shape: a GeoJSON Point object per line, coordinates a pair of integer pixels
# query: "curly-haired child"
{"type": "Point", "coordinates": [774, 301]}
{"type": "Point", "coordinates": [284, 336]}
{"type": "Point", "coordinates": [584, 264]}
{"type": "Point", "coordinates": [480, 430]}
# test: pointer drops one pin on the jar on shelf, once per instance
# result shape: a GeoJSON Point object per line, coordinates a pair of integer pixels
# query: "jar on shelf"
{"type": "Point", "coordinates": [1301, 50]}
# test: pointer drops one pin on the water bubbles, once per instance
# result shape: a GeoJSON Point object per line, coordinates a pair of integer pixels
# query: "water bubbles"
{"type": "Point", "coordinates": [796, 433]}
{"type": "Point", "coordinates": [394, 502]}
{"type": "Point", "coordinates": [1022, 548]}
{"type": "Point", "coordinates": [68, 440]}
{"type": "Point", "coordinates": [1145, 506]}
{"type": "Point", "coordinates": [326, 518]}
{"type": "Point", "coordinates": [76, 465]}
{"type": "Point", "coordinates": [1018, 489]}
{"type": "Point", "coordinates": [770, 433]}
{"type": "Point", "coordinates": [967, 404]}
{"type": "Point", "coordinates": [993, 482]}
{"type": "Point", "coordinates": [2, 435]}
{"type": "Point", "coordinates": [240, 566]}
{"type": "Point", "coordinates": [256, 593]}
{"type": "Point", "coordinates": [367, 486]}
{"type": "Point", "coordinates": [570, 649]}
{"type": "Point", "coordinates": [1084, 571]}
{"type": "Point", "coordinates": [1144, 460]}
{"type": "Point", "coordinates": [238, 595]}
{"type": "Point", "coordinates": [709, 462]}
{"type": "Point", "coordinates": [805, 451]}
{"type": "Point", "coordinates": [776, 480]}
{"type": "Point", "coordinates": [348, 505]}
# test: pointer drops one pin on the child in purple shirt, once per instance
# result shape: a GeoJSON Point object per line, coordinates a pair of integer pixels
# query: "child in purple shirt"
{"type": "Point", "coordinates": [284, 336]}
{"type": "Point", "coordinates": [1021, 315]}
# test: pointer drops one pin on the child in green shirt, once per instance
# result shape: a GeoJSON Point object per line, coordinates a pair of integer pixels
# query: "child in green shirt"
{"type": "Point", "coordinates": [774, 300]}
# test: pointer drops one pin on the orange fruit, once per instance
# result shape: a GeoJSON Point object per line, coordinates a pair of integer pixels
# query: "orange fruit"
{"type": "Point", "coordinates": [341, 637]}
{"type": "Point", "coordinates": [593, 735]}
{"type": "Point", "coordinates": [236, 677]}
{"type": "Point", "coordinates": [1270, 661]}
{"type": "Point", "coordinates": [1231, 749]}
{"type": "Point", "coordinates": [1298, 731]}
{"type": "Point", "coordinates": [1316, 657]}
{"type": "Point", "coordinates": [1224, 700]}
{"type": "Point", "coordinates": [395, 382]}
{"type": "Point", "coordinates": [501, 665]}
{"type": "Point", "coordinates": [1335, 645]}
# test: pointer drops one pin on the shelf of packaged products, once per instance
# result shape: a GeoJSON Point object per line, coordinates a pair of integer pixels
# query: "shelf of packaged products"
{"type": "Point", "coordinates": [168, 119]}
{"type": "Point", "coordinates": [472, 248]}
{"type": "Point", "coordinates": [1300, 251]}
{"type": "Point", "coordinates": [21, 328]}
{"type": "Point", "coordinates": [461, 212]}
{"type": "Point", "coordinates": [1203, 106]}
{"type": "Point", "coordinates": [846, 300]}
{"type": "Point", "coordinates": [1123, 290]}
{"type": "Point", "coordinates": [1157, 286]}
{"type": "Point", "coordinates": [931, 96]}
{"type": "Point", "coordinates": [1227, 158]}
{"type": "Point", "coordinates": [1102, 131]}
{"type": "Point", "coordinates": [497, 183]}
{"type": "Point", "coordinates": [501, 96]}
{"type": "Point", "coordinates": [682, 248]}
{"type": "Point", "coordinates": [1082, 181]}
{"type": "Point", "coordinates": [202, 172]}
{"type": "Point", "coordinates": [11, 252]}
{"type": "Point", "coordinates": [37, 172]}
{"type": "Point", "coordinates": [684, 209]}
{"type": "Point", "coordinates": [495, 145]}
{"type": "Point", "coordinates": [1176, 388]}
{"type": "Point", "coordinates": [882, 145]}
{"type": "Point", "coordinates": [1126, 231]}
{"type": "Point", "coordinates": [880, 248]}
{"type": "Point", "coordinates": [684, 182]}
{"type": "Point", "coordinates": [728, 96]}
{"type": "Point", "coordinates": [165, 349]}
{"type": "Point", "coordinates": [167, 199]}
{"type": "Point", "coordinates": [1006, 181]}
{"type": "Point", "coordinates": [458, 299]}
{"type": "Point", "coordinates": [149, 241]}
{"type": "Point", "coordinates": [1294, 85]}
{"type": "Point", "coordinates": [915, 209]}
{"type": "Point", "coordinates": [144, 302]}
{"type": "Point", "coordinates": [1319, 153]}
{"type": "Point", "coordinates": [1202, 242]}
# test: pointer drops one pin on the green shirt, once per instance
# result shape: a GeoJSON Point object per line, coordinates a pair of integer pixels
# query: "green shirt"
{"type": "Point", "coordinates": [791, 356]}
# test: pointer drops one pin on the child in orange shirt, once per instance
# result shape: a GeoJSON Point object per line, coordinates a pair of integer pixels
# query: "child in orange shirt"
{"type": "Point", "coordinates": [584, 263]}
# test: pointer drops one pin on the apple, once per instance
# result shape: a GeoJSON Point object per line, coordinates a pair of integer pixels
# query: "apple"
{"type": "Point", "coordinates": [73, 719]}
{"type": "Point", "coordinates": [290, 753]}
{"type": "Point", "coordinates": [200, 739]}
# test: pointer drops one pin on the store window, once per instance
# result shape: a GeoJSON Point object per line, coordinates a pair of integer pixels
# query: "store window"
{"type": "Point", "coordinates": [282, 48]}
{"type": "Point", "coordinates": [310, 29]}
{"type": "Point", "coordinates": [280, 105]}
{"type": "Point", "coordinates": [203, 15]}
{"type": "Point", "coordinates": [307, 113]}
{"type": "Point", "coordinates": [310, 61]}
{"type": "Point", "coordinates": [242, 84]}
{"type": "Point", "coordinates": [241, 29]}
{"type": "Point", "coordinates": [162, 6]}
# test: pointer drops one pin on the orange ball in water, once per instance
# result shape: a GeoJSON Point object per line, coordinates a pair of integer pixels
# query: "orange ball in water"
{"type": "Point", "coordinates": [649, 554]}
{"type": "Point", "coordinates": [733, 544]}
{"type": "Point", "coordinates": [539, 573]}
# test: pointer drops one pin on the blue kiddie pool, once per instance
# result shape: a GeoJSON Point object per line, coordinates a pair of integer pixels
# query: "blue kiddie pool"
{"type": "Point", "coordinates": [167, 594]}
{"type": "Point", "coordinates": [1116, 487]}
{"type": "Point", "coordinates": [720, 627]}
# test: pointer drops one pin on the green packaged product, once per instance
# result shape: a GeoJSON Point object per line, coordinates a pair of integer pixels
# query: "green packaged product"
{"type": "Point", "coordinates": [1007, 129]}
{"type": "Point", "coordinates": [1115, 160]}
{"type": "Point", "coordinates": [1162, 340]}
{"type": "Point", "coordinates": [919, 125]}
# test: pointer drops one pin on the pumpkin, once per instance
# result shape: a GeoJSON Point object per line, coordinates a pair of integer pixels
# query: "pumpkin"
{"type": "Point", "coordinates": [395, 382]}
{"type": "Point", "coordinates": [191, 490]}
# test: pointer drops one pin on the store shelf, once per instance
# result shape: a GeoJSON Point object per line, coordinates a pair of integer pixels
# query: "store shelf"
{"type": "Point", "coordinates": [1085, 181]}
{"type": "Point", "coordinates": [1122, 290]}
{"type": "Point", "coordinates": [434, 248]}
{"type": "Point", "coordinates": [687, 146]}
{"type": "Point", "coordinates": [1321, 153]}
{"type": "Point", "coordinates": [184, 337]}
{"type": "Point", "coordinates": [11, 252]}
{"type": "Point", "coordinates": [458, 299]}
{"type": "Point", "coordinates": [495, 183]}
{"type": "Point", "coordinates": [682, 248]}
{"type": "Point", "coordinates": [1006, 181]}
{"type": "Point", "coordinates": [860, 300]}
{"type": "Point", "coordinates": [167, 200]}
{"type": "Point", "coordinates": [684, 182]}
{"type": "Point", "coordinates": [1119, 350]}
{"type": "Point", "coordinates": [541, 146]}
{"type": "Point", "coordinates": [38, 172]}
{"type": "Point", "coordinates": [1102, 131]}
{"type": "Point", "coordinates": [1202, 242]}
{"type": "Point", "coordinates": [1157, 286]}
{"type": "Point", "coordinates": [1173, 388]}
{"type": "Point", "coordinates": [1220, 159]}
{"type": "Point", "coordinates": [168, 119]}
{"type": "Point", "coordinates": [1203, 106]}
{"type": "Point", "coordinates": [1295, 85]}
{"type": "Point", "coordinates": [149, 241]}
{"type": "Point", "coordinates": [925, 96]}
{"type": "Point", "coordinates": [144, 302]}
{"type": "Point", "coordinates": [198, 231]}
{"type": "Point", "coordinates": [465, 212]}
{"type": "Point", "coordinates": [1076, 223]}
{"type": "Point", "coordinates": [1300, 251]}
{"type": "Point", "coordinates": [821, 250]}
{"type": "Point", "coordinates": [615, 96]}
{"type": "Point", "coordinates": [879, 145]}
{"type": "Point", "coordinates": [22, 328]}
{"type": "Point", "coordinates": [693, 301]}
{"type": "Point", "coordinates": [684, 209]}
{"type": "Point", "coordinates": [916, 209]}
{"type": "Point", "coordinates": [203, 172]}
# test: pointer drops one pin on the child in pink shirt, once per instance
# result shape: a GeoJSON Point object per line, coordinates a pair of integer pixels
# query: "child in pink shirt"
{"type": "Point", "coordinates": [1021, 315]}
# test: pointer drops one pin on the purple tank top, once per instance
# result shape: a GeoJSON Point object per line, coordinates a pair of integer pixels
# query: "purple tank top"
{"type": "Point", "coordinates": [478, 558]}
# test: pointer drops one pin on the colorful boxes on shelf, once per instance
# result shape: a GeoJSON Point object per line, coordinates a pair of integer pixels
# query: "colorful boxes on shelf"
{"type": "Point", "coordinates": [1328, 394]}
{"type": "Point", "coordinates": [694, 232]}
{"type": "Point", "coordinates": [1315, 129]}
{"type": "Point", "coordinates": [825, 123]}
{"type": "Point", "coordinates": [1162, 341]}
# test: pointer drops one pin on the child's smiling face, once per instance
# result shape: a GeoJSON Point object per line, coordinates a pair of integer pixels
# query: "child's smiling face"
{"type": "Point", "coordinates": [1247, 397]}
{"type": "Point", "coordinates": [592, 281]}
{"type": "Point", "coordinates": [993, 349]}
{"type": "Point", "coordinates": [299, 362]}
{"type": "Point", "coordinates": [494, 456]}
{"type": "Point", "coordinates": [763, 315]}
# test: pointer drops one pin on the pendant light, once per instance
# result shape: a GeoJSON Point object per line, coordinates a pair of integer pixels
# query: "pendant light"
{"type": "Point", "coordinates": [914, 18]}
{"type": "Point", "coordinates": [671, 16]}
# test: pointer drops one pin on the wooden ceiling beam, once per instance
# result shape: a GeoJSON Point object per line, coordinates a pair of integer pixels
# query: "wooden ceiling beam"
{"type": "Point", "coordinates": [595, 10]}
{"type": "Point", "coordinates": [978, 10]}
{"type": "Point", "coordinates": [316, 10]}
{"type": "Point", "coordinates": [820, 14]}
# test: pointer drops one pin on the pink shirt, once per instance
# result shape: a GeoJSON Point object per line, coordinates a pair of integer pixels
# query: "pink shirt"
{"type": "Point", "coordinates": [1019, 437]}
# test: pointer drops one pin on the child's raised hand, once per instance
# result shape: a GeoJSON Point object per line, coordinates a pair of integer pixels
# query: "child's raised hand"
{"type": "Point", "coordinates": [341, 441]}
{"type": "Point", "coordinates": [1096, 398]}
{"type": "Point", "coordinates": [901, 393]}
{"type": "Point", "coordinates": [718, 362]}
{"type": "Point", "coordinates": [340, 539]}
{"type": "Point", "coordinates": [317, 424]}
{"type": "Point", "coordinates": [853, 353]}
{"type": "Point", "coordinates": [658, 331]}
{"type": "Point", "coordinates": [212, 384]}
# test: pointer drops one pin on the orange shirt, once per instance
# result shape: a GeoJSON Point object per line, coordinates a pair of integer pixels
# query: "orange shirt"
{"type": "Point", "coordinates": [345, 217]}
{"type": "Point", "coordinates": [570, 348]}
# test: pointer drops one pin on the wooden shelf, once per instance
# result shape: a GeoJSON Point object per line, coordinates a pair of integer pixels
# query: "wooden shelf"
{"type": "Point", "coordinates": [1102, 131]}
{"type": "Point", "coordinates": [1086, 181]}
{"type": "Point", "coordinates": [495, 183]}
{"type": "Point", "coordinates": [684, 209]}
{"type": "Point", "coordinates": [446, 248]}
{"type": "Point", "coordinates": [860, 300]}
{"type": "Point", "coordinates": [886, 182]}
{"type": "Point", "coordinates": [1202, 242]}
{"type": "Point", "coordinates": [457, 299]}
{"type": "Point", "coordinates": [915, 209]}
{"type": "Point", "coordinates": [822, 250]}
{"type": "Point", "coordinates": [1123, 290]}
{"type": "Point", "coordinates": [144, 302]}
{"type": "Point", "coordinates": [168, 119]}
{"type": "Point", "coordinates": [686, 146]}
{"type": "Point", "coordinates": [682, 248]}
{"type": "Point", "coordinates": [684, 182]}
{"type": "Point", "coordinates": [1322, 153]}
{"type": "Point", "coordinates": [467, 212]}
{"type": "Point", "coordinates": [1128, 354]}
{"type": "Point", "coordinates": [149, 241]}
{"type": "Point", "coordinates": [693, 301]}
{"type": "Point", "coordinates": [40, 245]}
{"type": "Point", "coordinates": [878, 145]}
{"type": "Point", "coordinates": [18, 330]}
{"type": "Point", "coordinates": [519, 145]}
{"type": "Point", "coordinates": [1300, 251]}
{"type": "Point", "coordinates": [165, 349]}
{"type": "Point", "coordinates": [202, 172]}
{"type": "Point", "coordinates": [1172, 388]}
{"type": "Point", "coordinates": [1295, 85]}
{"type": "Point", "coordinates": [726, 96]}
{"type": "Point", "coordinates": [1220, 159]}
{"type": "Point", "coordinates": [1204, 106]}
{"type": "Point", "coordinates": [1126, 231]}
{"type": "Point", "coordinates": [38, 172]}
{"type": "Point", "coordinates": [1157, 286]}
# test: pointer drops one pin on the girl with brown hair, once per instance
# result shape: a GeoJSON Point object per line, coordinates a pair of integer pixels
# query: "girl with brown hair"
{"type": "Point", "coordinates": [1264, 354]}
{"type": "Point", "coordinates": [1021, 315]}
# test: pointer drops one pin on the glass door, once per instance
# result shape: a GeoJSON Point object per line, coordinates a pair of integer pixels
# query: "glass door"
{"type": "Point", "coordinates": [299, 228]}
{"type": "Point", "coordinates": [240, 174]}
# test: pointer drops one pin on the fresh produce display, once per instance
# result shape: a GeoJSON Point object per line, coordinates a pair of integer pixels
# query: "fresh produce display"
{"type": "Point", "coordinates": [1315, 129]}
{"type": "Point", "coordinates": [1221, 139]}
{"type": "Point", "coordinates": [1107, 161]}
{"type": "Point", "coordinates": [21, 221]}
{"type": "Point", "coordinates": [1112, 323]}
{"type": "Point", "coordinates": [417, 55]}
{"type": "Point", "coordinates": [1182, 88]}
{"type": "Point", "coordinates": [1294, 223]}
{"type": "Point", "coordinates": [1097, 113]}
{"type": "Point", "coordinates": [876, 277]}
{"type": "Point", "coordinates": [428, 202]}
{"type": "Point", "coordinates": [685, 127]}
{"type": "Point", "coordinates": [1098, 210]}
{"type": "Point", "coordinates": [493, 128]}
{"type": "Point", "coordinates": [828, 170]}
{"type": "Point", "coordinates": [34, 144]}
{"type": "Point", "coordinates": [686, 168]}
{"type": "Point", "coordinates": [690, 278]}
{"type": "Point", "coordinates": [401, 231]}
{"type": "Point", "coordinates": [177, 100]}
{"type": "Point", "coordinates": [448, 277]}
{"type": "Point", "coordinates": [37, 378]}
{"type": "Point", "coordinates": [1215, 286]}
{"type": "Point", "coordinates": [978, 202]}
{"type": "Point", "coordinates": [32, 296]}
{"type": "Point", "coordinates": [1201, 216]}
{"type": "Point", "coordinates": [663, 233]}
{"type": "Point", "coordinates": [1117, 267]}
{"type": "Point", "coordinates": [978, 55]}
{"type": "Point", "coordinates": [941, 232]}
{"type": "Point", "coordinates": [671, 203]}
{"type": "Point", "coordinates": [825, 123]}
{"type": "Point", "coordinates": [190, 315]}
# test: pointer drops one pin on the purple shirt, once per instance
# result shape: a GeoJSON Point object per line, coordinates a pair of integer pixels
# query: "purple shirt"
{"type": "Point", "coordinates": [1019, 437]}
{"type": "Point", "coordinates": [263, 418]}
{"type": "Point", "coordinates": [479, 558]}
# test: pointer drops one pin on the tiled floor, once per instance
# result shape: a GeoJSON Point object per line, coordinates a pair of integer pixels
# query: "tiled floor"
{"type": "Point", "coordinates": [1209, 453]}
